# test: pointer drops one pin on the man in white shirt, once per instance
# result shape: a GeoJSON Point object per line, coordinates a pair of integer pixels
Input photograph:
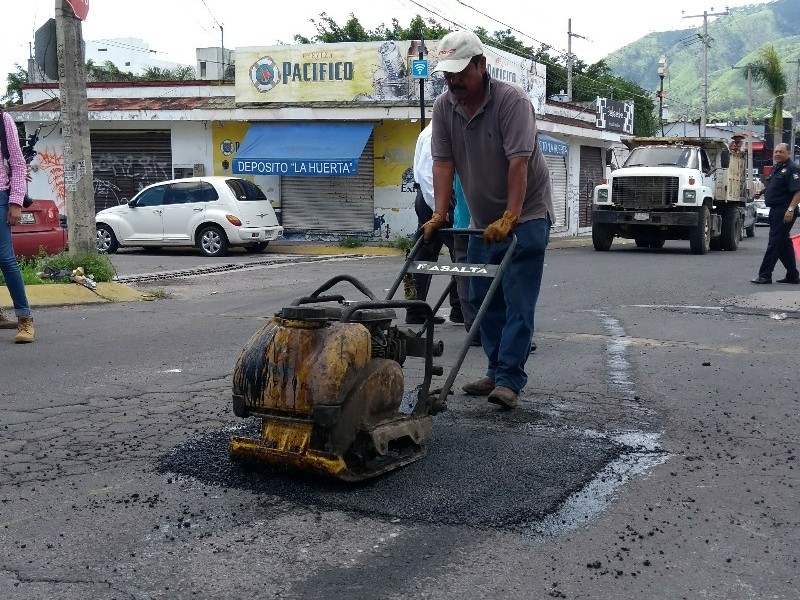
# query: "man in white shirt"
{"type": "Point", "coordinates": [423, 205]}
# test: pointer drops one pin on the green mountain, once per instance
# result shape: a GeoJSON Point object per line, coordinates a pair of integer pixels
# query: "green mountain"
{"type": "Point", "coordinates": [736, 39]}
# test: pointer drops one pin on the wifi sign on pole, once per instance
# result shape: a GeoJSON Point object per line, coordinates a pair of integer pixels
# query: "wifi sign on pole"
{"type": "Point", "coordinates": [419, 68]}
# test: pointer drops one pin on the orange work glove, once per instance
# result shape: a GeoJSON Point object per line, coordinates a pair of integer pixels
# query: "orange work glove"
{"type": "Point", "coordinates": [499, 230]}
{"type": "Point", "coordinates": [437, 221]}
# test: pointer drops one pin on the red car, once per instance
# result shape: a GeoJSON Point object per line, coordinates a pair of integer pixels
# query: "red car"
{"type": "Point", "coordinates": [40, 227]}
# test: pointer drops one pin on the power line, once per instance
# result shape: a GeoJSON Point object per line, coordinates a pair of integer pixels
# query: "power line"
{"type": "Point", "coordinates": [210, 13]}
{"type": "Point", "coordinates": [560, 52]}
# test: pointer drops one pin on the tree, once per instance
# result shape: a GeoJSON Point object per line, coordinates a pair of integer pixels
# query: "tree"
{"type": "Point", "coordinates": [14, 82]}
{"type": "Point", "coordinates": [328, 31]}
{"type": "Point", "coordinates": [769, 71]}
{"type": "Point", "coordinates": [108, 71]}
{"type": "Point", "coordinates": [185, 73]}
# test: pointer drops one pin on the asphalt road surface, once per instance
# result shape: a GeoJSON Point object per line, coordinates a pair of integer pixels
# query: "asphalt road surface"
{"type": "Point", "coordinates": [654, 453]}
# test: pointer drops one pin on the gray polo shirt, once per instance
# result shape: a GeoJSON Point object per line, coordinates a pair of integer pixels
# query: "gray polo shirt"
{"type": "Point", "coordinates": [504, 127]}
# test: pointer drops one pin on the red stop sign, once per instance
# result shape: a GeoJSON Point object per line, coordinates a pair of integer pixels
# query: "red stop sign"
{"type": "Point", "coordinates": [80, 8]}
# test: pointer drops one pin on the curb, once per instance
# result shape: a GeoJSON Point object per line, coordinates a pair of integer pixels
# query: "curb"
{"type": "Point", "coordinates": [63, 294]}
{"type": "Point", "coordinates": [302, 247]}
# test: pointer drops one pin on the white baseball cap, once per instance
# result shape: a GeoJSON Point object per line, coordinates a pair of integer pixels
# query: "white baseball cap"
{"type": "Point", "coordinates": [456, 49]}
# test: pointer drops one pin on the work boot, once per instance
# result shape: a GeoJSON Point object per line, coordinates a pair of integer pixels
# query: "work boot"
{"type": "Point", "coordinates": [505, 397]}
{"type": "Point", "coordinates": [482, 387]}
{"type": "Point", "coordinates": [6, 323]}
{"type": "Point", "coordinates": [24, 330]}
{"type": "Point", "coordinates": [414, 319]}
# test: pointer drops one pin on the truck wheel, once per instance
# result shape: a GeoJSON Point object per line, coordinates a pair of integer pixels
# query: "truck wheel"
{"type": "Point", "coordinates": [700, 236]}
{"type": "Point", "coordinates": [657, 243]}
{"type": "Point", "coordinates": [731, 228]}
{"type": "Point", "coordinates": [602, 237]}
{"type": "Point", "coordinates": [642, 242]}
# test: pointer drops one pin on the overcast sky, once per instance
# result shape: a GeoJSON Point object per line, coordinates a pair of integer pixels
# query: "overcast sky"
{"type": "Point", "coordinates": [174, 28]}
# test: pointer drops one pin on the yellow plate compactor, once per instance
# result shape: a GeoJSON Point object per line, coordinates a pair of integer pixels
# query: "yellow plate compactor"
{"type": "Point", "coordinates": [325, 377]}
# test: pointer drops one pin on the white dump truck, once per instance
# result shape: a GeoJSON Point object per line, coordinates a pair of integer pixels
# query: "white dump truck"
{"type": "Point", "coordinates": [676, 189]}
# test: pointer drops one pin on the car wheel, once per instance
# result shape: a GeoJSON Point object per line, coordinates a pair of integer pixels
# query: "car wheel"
{"type": "Point", "coordinates": [700, 235]}
{"type": "Point", "coordinates": [106, 240]}
{"type": "Point", "coordinates": [602, 237]}
{"type": "Point", "coordinates": [256, 248]}
{"type": "Point", "coordinates": [212, 241]}
{"type": "Point", "coordinates": [750, 231]}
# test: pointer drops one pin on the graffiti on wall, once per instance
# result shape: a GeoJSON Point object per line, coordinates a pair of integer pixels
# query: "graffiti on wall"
{"type": "Point", "coordinates": [119, 177]}
{"type": "Point", "coordinates": [51, 161]}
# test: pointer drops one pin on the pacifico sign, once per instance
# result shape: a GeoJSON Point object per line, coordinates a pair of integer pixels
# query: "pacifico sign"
{"type": "Point", "coordinates": [361, 72]}
{"type": "Point", "coordinates": [344, 72]}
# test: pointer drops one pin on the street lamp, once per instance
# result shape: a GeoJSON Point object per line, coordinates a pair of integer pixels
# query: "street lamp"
{"type": "Point", "coordinates": [662, 72]}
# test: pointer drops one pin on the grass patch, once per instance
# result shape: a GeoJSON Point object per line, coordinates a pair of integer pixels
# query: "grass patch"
{"type": "Point", "coordinates": [159, 294]}
{"type": "Point", "coordinates": [402, 243]}
{"type": "Point", "coordinates": [98, 265]}
{"type": "Point", "coordinates": [350, 242]}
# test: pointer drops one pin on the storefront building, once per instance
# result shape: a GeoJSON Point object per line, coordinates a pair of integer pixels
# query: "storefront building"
{"type": "Point", "coordinates": [328, 131]}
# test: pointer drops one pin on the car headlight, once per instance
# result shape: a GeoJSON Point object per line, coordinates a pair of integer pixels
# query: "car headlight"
{"type": "Point", "coordinates": [602, 195]}
{"type": "Point", "coordinates": [690, 196]}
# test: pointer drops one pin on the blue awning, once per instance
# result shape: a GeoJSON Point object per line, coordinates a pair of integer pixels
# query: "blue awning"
{"type": "Point", "coordinates": [553, 146]}
{"type": "Point", "coordinates": [302, 149]}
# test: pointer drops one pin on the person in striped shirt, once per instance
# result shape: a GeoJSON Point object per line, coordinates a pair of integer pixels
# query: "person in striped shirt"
{"type": "Point", "coordinates": [13, 183]}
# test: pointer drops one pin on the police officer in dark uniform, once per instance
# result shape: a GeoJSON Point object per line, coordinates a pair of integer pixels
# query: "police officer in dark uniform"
{"type": "Point", "coordinates": [781, 195]}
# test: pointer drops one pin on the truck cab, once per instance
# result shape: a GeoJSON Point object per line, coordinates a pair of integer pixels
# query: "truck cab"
{"type": "Point", "coordinates": [674, 188]}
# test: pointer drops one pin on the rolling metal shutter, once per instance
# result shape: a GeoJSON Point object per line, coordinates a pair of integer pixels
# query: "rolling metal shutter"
{"type": "Point", "coordinates": [557, 165]}
{"type": "Point", "coordinates": [590, 176]}
{"type": "Point", "coordinates": [331, 204]}
{"type": "Point", "coordinates": [124, 162]}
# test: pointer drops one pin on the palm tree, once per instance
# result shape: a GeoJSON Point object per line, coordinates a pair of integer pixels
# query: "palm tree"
{"type": "Point", "coordinates": [768, 70]}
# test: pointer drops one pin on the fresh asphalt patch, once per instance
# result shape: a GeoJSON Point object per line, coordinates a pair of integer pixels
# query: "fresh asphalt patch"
{"type": "Point", "coordinates": [501, 474]}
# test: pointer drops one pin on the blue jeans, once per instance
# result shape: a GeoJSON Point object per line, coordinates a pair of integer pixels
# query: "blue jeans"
{"type": "Point", "coordinates": [9, 265]}
{"type": "Point", "coordinates": [507, 326]}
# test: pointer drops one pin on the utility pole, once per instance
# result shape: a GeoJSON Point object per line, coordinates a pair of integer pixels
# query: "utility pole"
{"type": "Point", "coordinates": [78, 182]}
{"type": "Point", "coordinates": [706, 43]}
{"type": "Point", "coordinates": [750, 133]}
{"type": "Point", "coordinates": [421, 84]}
{"type": "Point", "coordinates": [222, 43]}
{"type": "Point", "coordinates": [796, 113]}
{"type": "Point", "coordinates": [750, 130]}
{"type": "Point", "coordinates": [662, 72]}
{"type": "Point", "coordinates": [570, 57]}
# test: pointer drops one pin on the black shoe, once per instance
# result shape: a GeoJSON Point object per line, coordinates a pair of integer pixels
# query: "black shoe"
{"type": "Point", "coordinates": [456, 316]}
{"type": "Point", "coordinates": [760, 279]}
{"type": "Point", "coordinates": [787, 280]}
{"type": "Point", "coordinates": [533, 346]}
{"type": "Point", "coordinates": [415, 320]}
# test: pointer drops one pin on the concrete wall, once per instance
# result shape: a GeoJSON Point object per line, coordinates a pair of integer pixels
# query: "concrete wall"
{"type": "Point", "coordinates": [394, 178]}
{"type": "Point", "coordinates": [191, 145]}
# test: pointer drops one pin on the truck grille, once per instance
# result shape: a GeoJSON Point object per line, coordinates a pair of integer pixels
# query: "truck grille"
{"type": "Point", "coordinates": [644, 192]}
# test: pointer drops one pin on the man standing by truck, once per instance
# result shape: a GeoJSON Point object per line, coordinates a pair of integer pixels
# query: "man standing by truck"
{"type": "Point", "coordinates": [782, 196]}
